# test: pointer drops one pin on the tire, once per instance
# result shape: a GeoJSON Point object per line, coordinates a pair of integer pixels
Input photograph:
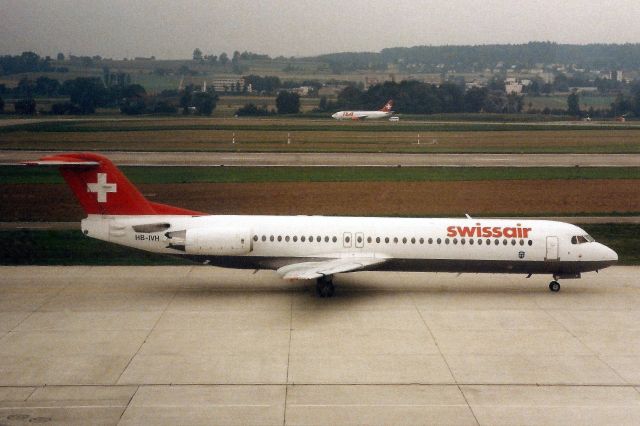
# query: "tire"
{"type": "Point", "coordinates": [554, 286]}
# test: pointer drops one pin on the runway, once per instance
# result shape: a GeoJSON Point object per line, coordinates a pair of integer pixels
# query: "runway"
{"type": "Point", "coordinates": [202, 345]}
{"type": "Point", "coordinates": [248, 159]}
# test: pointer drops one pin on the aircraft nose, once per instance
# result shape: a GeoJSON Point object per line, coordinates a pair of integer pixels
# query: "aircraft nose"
{"type": "Point", "coordinates": [334, 115]}
{"type": "Point", "coordinates": [606, 256]}
{"type": "Point", "coordinates": [609, 255]}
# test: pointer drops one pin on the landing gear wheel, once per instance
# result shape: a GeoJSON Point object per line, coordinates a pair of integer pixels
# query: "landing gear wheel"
{"type": "Point", "coordinates": [324, 287]}
{"type": "Point", "coordinates": [554, 286]}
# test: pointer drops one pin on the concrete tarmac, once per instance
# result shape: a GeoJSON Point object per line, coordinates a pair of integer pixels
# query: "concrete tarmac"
{"type": "Point", "coordinates": [353, 159]}
{"type": "Point", "coordinates": [202, 345]}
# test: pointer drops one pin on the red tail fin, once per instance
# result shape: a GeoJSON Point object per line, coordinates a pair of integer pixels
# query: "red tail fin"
{"type": "Point", "coordinates": [102, 189]}
{"type": "Point", "coordinates": [387, 107]}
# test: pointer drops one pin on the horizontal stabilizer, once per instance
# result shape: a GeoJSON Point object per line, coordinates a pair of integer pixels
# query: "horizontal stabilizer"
{"type": "Point", "coordinates": [63, 163]}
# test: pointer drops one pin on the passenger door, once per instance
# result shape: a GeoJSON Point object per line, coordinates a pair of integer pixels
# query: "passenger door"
{"type": "Point", "coordinates": [553, 250]}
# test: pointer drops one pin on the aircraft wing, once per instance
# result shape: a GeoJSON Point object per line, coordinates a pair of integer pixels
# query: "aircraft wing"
{"type": "Point", "coordinates": [313, 270]}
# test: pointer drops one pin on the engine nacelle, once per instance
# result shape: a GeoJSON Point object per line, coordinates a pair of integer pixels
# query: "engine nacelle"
{"type": "Point", "coordinates": [218, 241]}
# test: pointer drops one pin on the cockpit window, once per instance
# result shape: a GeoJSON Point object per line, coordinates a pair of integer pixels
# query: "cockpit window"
{"type": "Point", "coordinates": [581, 239]}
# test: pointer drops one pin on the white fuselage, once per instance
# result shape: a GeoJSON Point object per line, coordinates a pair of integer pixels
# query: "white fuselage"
{"type": "Point", "coordinates": [361, 115]}
{"type": "Point", "coordinates": [442, 244]}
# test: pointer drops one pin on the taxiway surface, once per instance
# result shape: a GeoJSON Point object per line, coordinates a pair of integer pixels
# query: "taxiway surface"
{"type": "Point", "coordinates": [353, 159]}
{"type": "Point", "coordinates": [202, 345]}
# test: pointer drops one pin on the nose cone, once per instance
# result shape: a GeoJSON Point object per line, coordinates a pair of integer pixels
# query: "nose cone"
{"type": "Point", "coordinates": [335, 115]}
{"type": "Point", "coordinates": [607, 256]}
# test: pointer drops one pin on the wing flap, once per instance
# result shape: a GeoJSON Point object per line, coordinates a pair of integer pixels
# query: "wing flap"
{"type": "Point", "coordinates": [313, 270]}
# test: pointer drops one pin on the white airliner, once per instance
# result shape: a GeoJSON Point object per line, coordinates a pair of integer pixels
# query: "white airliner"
{"type": "Point", "coordinates": [362, 115]}
{"type": "Point", "coordinates": [317, 247]}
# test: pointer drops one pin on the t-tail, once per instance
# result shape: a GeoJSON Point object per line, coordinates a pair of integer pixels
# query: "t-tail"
{"type": "Point", "coordinates": [388, 106]}
{"type": "Point", "coordinates": [102, 189]}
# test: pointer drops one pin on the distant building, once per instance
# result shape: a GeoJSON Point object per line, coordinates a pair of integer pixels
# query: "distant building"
{"type": "Point", "coordinates": [302, 90]}
{"type": "Point", "coordinates": [619, 76]}
{"type": "Point", "coordinates": [222, 85]}
{"type": "Point", "coordinates": [513, 88]}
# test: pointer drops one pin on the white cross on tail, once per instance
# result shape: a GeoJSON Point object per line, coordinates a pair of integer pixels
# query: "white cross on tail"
{"type": "Point", "coordinates": [101, 187]}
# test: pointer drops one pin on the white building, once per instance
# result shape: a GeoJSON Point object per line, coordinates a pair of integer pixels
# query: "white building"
{"type": "Point", "coordinates": [222, 85]}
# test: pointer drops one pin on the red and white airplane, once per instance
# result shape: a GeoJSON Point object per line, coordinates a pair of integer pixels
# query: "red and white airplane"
{"type": "Point", "coordinates": [384, 112]}
{"type": "Point", "coordinates": [317, 247]}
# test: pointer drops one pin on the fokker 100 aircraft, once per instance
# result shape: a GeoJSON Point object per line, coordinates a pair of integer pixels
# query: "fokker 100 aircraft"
{"type": "Point", "coordinates": [317, 247]}
{"type": "Point", "coordinates": [384, 112]}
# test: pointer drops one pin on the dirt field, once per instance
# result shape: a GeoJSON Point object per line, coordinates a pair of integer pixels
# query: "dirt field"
{"type": "Point", "coordinates": [330, 140]}
{"type": "Point", "coordinates": [25, 202]}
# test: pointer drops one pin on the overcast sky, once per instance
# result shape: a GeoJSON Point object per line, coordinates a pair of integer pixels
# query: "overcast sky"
{"type": "Point", "coordinates": [173, 28]}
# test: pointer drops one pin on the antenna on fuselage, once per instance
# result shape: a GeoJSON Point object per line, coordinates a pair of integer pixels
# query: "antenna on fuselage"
{"type": "Point", "coordinates": [467, 215]}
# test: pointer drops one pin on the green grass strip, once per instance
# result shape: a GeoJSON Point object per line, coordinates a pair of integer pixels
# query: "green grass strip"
{"type": "Point", "coordinates": [290, 125]}
{"type": "Point", "coordinates": [21, 174]}
{"type": "Point", "coordinates": [37, 247]}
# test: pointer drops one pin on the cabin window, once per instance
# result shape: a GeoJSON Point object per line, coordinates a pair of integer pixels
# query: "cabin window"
{"type": "Point", "coordinates": [279, 238]}
{"type": "Point", "coordinates": [470, 241]}
{"type": "Point", "coordinates": [462, 241]}
{"type": "Point", "coordinates": [378, 240]}
{"type": "Point", "coordinates": [530, 242]}
{"type": "Point", "coordinates": [310, 238]}
{"type": "Point", "coordinates": [335, 239]}
{"type": "Point", "coordinates": [446, 241]}
{"type": "Point", "coordinates": [413, 240]}
{"type": "Point", "coordinates": [488, 242]}
{"type": "Point", "coordinates": [386, 240]}
{"type": "Point", "coordinates": [498, 242]}
{"type": "Point", "coordinates": [271, 238]}
{"type": "Point", "coordinates": [404, 240]}
{"type": "Point", "coordinates": [295, 238]}
{"type": "Point", "coordinates": [326, 239]}
{"type": "Point", "coordinates": [455, 241]}
{"type": "Point", "coordinates": [521, 242]}
{"type": "Point", "coordinates": [303, 238]}
{"type": "Point", "coordinates": [359, 238]}
{"type": "Point", "coordinates": [421, 240]}
{"type": "Point", "coordinates": [347, 239]}
{"type": "Point", "coordinates": [430, 240]}
{"type": "Point", "coordinates": [439, 241]}
{"type": "Point", "coordinates": [505, 242]}
{"type": "Point", "coordinates": [395, 240]}
{"type": "Point", "coordinates": [255, 238]}
{"type": "Point", "coordinates": [264, 238]}
{"type": "Point", "coordinates": [286, 238]}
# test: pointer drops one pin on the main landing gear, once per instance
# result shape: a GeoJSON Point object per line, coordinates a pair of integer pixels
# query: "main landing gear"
{"type": "Point", "coordinates": [324, 286]}
{"type": "Point", "coordinates": [554, 285]}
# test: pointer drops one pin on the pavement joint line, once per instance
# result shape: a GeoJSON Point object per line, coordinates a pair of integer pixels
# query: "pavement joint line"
{"type": "Point", "coordinates": [532, 385]}
{"type": "Point", "coordinates": [593, 352]}
{"type": "Point", "coordinates": [286, 388]}
{"type": "Point", "coordinates": [30, 314]}
{"type": "Point", "coordinates": [128, 403]}
{"type": "Point", "coordinates": [148, 334]}
{"type": "Point", "coordinates": [435, 341]}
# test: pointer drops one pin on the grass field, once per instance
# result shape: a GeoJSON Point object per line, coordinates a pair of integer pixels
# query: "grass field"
{"type": "Point", "coordinates": [560, 102]}
{"type": "Point", "coordinates": [252, 135]}
{"type": "Point", "coordinates": [146, 175]}
{"type": "Point", "coordinates": [72, 248]}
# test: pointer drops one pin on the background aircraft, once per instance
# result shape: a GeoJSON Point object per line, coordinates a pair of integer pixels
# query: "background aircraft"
{"type": "Point", "coordinates": [317, 247]}
{"type": "Point", "coordinates": [384, 112]}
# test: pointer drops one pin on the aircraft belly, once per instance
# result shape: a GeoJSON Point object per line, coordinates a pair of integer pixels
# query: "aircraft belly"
{"type": "Point", "coordinates": [415, 265]}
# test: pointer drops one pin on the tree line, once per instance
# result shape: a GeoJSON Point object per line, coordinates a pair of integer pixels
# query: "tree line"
{"type": "Point", "coordinates": [479, 57]}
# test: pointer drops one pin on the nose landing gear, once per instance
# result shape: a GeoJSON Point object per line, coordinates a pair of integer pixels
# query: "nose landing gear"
{"type": "Point", "coordinates": [554, 286]}
{"type": "Point", "coordinates": [324, 286]}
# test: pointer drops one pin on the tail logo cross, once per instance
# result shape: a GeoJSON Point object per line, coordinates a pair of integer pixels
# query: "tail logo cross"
{"type": "Point", "coordinates": [101, 187]}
